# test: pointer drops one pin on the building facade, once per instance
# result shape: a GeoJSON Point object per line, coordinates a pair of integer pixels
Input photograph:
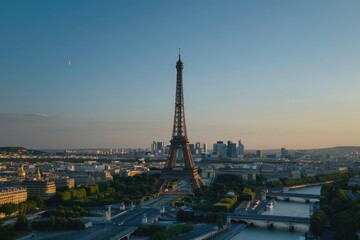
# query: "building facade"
{"type": "Point", "coordinates": [13, 195]}
{"type": "Point", "coordinates": [65, 182]}
{"type": "Point", "coordinates": [44, 189]}
{"type": "Point", "coordinates": [231, 150]}
{"type": "Point", "coordinates": [240, 148]}
{"type": "Point", "coordinates": [283, 152]}
{"type": "Point", "coordinates": [219, 148]}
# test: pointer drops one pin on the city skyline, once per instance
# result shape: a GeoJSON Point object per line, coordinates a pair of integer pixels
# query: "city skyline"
{"type": "Point", "coordinates": [91, 75]}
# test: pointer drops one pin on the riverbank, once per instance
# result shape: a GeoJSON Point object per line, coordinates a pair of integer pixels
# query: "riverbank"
{"type": "Point", "coordinates": [308, 185]}
{"type": "Point", "coordinates": [282, 208]}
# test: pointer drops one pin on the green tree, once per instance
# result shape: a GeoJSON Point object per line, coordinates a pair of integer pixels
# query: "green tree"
{"type": "Point", "coordinates": [221, 220]}
{"type": "Point", "coordinates": [337, 204]}
{"type": "Point", "coordinates": [60, 223]}
{"type": "Point", "coordinates": [31, 205]}
{"type": "Point", "coordinates": [23, 207]}
{"type": "Point", "coordinates": [75, 224]}
{"type": "Point", "coordinates": [318, 223]}
{"type": "Point", "coordinates": [9, 208]}
{"type": "Point", "coordinates": [65, 196]}
{"type": "Point", "coordinates": [39, 201]}
{"type": "Point", "coordinates": [103, 186]}
{"type": "Point", "coordinates": [347, 229]}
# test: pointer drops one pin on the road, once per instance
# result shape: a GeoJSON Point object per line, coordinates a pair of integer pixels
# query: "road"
{"type": "Point", "coordinates": [132, 218]}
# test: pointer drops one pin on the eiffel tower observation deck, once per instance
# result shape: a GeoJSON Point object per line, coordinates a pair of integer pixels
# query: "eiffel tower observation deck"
{"type": "Point", "coordinates": [179, 142]}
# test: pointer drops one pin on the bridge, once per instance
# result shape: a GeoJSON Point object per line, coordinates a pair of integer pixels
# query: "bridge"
{"type": "Point", "coordinates": [151, 214]}
{"type": "Point", "coordinates": [124, 234]}
{"type": "Point", "coordinates": [297, 195]}
{"type": "Point", "coordinates": [270, 218]}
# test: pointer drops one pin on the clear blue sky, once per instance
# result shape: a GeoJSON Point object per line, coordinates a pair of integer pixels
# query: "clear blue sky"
{"type": "Point", "coordinates": [272, 73]}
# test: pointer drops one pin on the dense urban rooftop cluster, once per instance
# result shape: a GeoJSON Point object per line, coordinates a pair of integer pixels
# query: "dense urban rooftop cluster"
{"type": "Point", "coordinates": [22, 168]}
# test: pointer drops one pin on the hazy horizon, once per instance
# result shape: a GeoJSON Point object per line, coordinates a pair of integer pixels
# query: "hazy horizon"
{"type": "Point", "coordinates": [144, 147]}
{"type": "Point", "coordinates": [91, 74]}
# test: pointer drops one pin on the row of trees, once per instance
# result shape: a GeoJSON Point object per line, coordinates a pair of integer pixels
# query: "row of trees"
{"type": "Point", "coordinates": [60, 219]}
{"type": "Point", "coordinates": [69, 195]}
{"type": "Point", "coordinates": [59, 224]}
{"type": "Point", "coordinates": [344, 213]}
{"type": "Point", "coordinates": [219, 218]}
{"type": "Point", "coordinates": [318, 222]}
{"type": "Point", "coordinates": [225, 183]}
{"type": "Point", "coordinates": [73, 212]}
{"type": "Point", "coordinates": [248, 194]}
{"type": "Point", "coordinates": [23, 207]}
{"type": "Point", "coordinates": [214, 198]}
{"type": "Point", "coordinates": [73, 194]}
{"type": "Point", "coordinates": [308, 180]}
{"type": "Point", "coordinates": [134, 189]}
{"type": "Point", "coordinates": [170, 232]}
{"type": "Point", "coordinates": [122, 189]}
{"type": "Point", "coordinates": [334, 199]}
{"type": "Point", "coordinates": [83, 195]}
{"type": "Point", "coordinates": [225, 204]}
{"type": "Point", "coordinates": [346, 223]}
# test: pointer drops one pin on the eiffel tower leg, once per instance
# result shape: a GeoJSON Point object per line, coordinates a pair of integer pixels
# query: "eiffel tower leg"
{"type": "Point", "coordinates": [162, 183]}
{"type": "Point", "coordinates": [166, 183]}
{"type": "Point", "coordinates": [189, 162]}
{"type": "Point", "coordinates": [172, 160]}
{"type": "Point", "coordinates": [197, 182]}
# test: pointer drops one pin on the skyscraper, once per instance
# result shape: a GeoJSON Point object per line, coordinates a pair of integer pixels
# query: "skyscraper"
{"type": "Point", "coordinates": [204, 148]}
{"type": "Point", "coordinates": [153, 147]}
{"type": "Point", "coordinates": [220, 149]}
{"type": "Point", "coordinates": [283, 152]}
{"type": "Point", "coordinates": [192, 149]}
{"type": "Point", "coordinates": [258, 153]}
{"type": "Point", "coordinates": [241, 148]}
{"type": "Point", "coordinates": [159, 146]}
{"type": "Point", "coordinates": [231, 149]}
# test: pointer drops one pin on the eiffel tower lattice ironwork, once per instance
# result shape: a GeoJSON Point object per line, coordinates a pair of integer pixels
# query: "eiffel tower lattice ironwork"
{"type": "Point", "coordinates": [179, 141]}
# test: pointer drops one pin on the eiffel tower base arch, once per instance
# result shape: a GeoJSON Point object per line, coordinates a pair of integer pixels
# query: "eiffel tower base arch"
{"type": "Point", "coordinates": [169, 175]}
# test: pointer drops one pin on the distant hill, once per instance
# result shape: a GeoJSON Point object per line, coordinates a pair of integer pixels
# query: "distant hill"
{"type": "Point", "coordinates": [19, 150]}
{"type": "Point", "coordinates": [339, 149]}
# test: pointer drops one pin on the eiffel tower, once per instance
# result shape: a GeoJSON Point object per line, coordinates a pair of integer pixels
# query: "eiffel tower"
{"type": "Point", "coordinates": [179, 141]}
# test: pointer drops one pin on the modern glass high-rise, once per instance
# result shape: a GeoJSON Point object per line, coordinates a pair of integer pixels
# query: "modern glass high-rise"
{"type": "Point", "coordinates": [231, 150]}
{"type": "Point", "coordinates": [241, 148]}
